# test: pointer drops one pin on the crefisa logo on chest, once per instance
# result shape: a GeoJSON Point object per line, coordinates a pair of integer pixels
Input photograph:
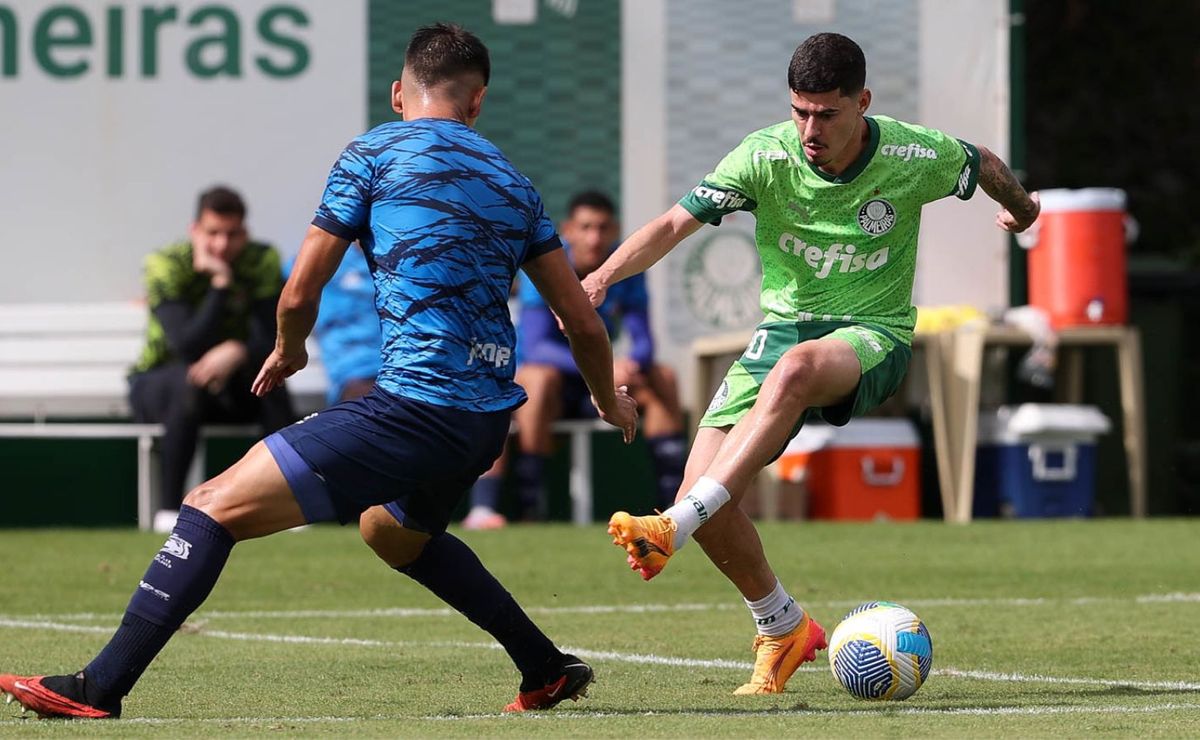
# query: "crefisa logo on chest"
{"type": "Point", "coordinates": [876, 217]}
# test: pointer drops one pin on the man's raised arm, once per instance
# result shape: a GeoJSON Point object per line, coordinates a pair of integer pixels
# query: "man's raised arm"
{"type": "Point", "coordinates": [642, 249]}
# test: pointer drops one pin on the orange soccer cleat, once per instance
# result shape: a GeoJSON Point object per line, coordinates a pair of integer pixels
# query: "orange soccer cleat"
{"type": "Point", "coordinates": [649, 540]}
{"type": "Point", "coordinates": [777, 658]}
{"type": "Point", "coordinates": [53, 696]}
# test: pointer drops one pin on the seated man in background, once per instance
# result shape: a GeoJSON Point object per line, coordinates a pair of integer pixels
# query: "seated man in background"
{"type": "Point", "coordinates": [347, 329]}
{"type": "Point", "coordinates": [555, 387]}
{"type": "Point", "coordinates": [211, 325]}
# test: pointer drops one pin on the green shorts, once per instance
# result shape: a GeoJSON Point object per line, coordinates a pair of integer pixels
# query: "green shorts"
{"type": "Point", "coordinates": [883, 358]}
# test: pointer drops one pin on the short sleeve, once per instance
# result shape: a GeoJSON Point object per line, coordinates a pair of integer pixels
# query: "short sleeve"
{"type": "Point", "coordinates": [543, 237]}
{"type": "Point", "coordinates": [345, 205]}
{"type": "Point", "coordinates": [951, 166]}
{"type": "Point", "coordinates": [733, 186]}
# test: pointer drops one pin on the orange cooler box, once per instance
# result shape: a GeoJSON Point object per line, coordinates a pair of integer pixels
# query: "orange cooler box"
{"type": "Point", "coordinates": [869, 469]}
{"type": "Point", "coordinates": [1077, 262]}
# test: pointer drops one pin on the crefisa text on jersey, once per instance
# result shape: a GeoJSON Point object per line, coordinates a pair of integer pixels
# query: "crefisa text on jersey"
{"type": "Point", "coordinates": [823, 260]}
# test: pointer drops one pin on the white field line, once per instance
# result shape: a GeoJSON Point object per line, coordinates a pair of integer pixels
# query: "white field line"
{"type": "Point", "coordinates": [606, 655]}
{"type": "Point", "coordinates": [880, 711]}
{"type": "Point", "coordinates": [583, 714]}
{"type": "Point", "coordinates": [402, 612]}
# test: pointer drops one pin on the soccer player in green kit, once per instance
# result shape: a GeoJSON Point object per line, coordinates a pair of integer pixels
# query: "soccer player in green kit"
{"type": "Point", "coordinates": [837, 199]}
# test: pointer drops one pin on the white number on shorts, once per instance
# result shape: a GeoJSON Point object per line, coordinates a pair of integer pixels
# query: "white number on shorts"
{"type": "Point", "coordinates": [758, 343]}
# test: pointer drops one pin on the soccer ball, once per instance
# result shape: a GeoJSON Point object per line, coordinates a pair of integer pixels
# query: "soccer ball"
{"type": "Point", "coordinates": [881, 650]}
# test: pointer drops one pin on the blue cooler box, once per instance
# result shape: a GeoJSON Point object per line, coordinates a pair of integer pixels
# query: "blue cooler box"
{"type": "Point", "coordinates": [1037, 460]}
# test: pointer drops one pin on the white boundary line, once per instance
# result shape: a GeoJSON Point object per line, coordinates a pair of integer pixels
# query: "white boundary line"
{"type": "Point", "coordinates": [880, 711]}
{"type": "Point", "coordinates": [403, 612]}
{"type": "Point", "coordinates": [635, 658]}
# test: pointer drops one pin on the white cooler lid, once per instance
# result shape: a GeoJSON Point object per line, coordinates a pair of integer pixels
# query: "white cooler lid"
{"type": "Point", "coordinates": [1029, 421]}
{"type": "Point", "coordinates": [1083, 199]}
{"type": "Point", "coordinates": [872, 432]}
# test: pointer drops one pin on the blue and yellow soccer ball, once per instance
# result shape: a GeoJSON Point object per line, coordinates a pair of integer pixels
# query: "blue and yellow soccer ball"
{"type": "Point", "coordinates": [881, 651]}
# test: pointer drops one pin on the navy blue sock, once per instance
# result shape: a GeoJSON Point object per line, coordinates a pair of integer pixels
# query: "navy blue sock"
{"type": "Point", "coordinates": [449, 569]}
{"type": "Point", "coordinates": [486, 492]}
{"type": "Point", "coordinates": [178, 580]}
{"type": "Point", "coordinates": [531, 488]}
{"type": "Point", "coordinates": [669, 454]}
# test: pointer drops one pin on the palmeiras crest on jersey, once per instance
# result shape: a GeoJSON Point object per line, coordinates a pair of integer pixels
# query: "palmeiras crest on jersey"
{"type": "Point", "coordinates": [721, 397]}
{"type": "Point", "coordinates": [876, 216]}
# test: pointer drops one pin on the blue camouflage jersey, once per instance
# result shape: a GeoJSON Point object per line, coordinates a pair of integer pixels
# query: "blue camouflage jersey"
{"type": "Point", "coordinates": [445, 222]}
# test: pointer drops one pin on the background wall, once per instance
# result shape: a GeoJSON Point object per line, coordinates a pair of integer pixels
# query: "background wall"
{"type": "Point", "coordinates": [116, 115]}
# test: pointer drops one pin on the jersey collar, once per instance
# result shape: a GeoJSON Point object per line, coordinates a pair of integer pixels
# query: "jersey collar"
{"type": "Point", "coordinates": [858, 165]}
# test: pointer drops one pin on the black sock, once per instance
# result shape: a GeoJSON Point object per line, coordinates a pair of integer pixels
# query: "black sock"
{"type": "Point", "coordinates": [449, 569]}
{"type": "Point", "coordinates": [178, 580]}
{"type": "Point", "coordinates": [530, 469]}
{"type": "Point", "coordinates": [669, 454]}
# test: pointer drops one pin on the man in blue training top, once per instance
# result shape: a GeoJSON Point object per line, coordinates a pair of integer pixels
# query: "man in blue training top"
{"type": "Point", "coordinates": [347, 329]}
{"type": "Point", "coordinates": [445, 222]}
{"type": "Point", "coordinates": [548, 372]}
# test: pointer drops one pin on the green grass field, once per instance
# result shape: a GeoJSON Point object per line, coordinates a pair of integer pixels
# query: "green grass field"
{"type": "Point", "coordinates": [1039, 628]}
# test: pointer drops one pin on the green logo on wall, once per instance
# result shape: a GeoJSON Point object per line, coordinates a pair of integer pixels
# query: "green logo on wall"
{"type": "Point", "coordinates": [67, 41]}
{"type": "Point", "coordinates": [721, 280]}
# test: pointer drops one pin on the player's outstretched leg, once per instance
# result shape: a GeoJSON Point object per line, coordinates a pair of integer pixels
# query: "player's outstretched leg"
{"type": "Point", "coordinates": [648, 540]}
{"type": "Point", "coordinates": [250, 499]}
{"type": "Point", "coordinates": [179, 578]}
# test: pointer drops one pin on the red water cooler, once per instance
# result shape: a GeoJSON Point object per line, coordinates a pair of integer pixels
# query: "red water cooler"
{"type": "Point", "coordinates": [1077, 259]}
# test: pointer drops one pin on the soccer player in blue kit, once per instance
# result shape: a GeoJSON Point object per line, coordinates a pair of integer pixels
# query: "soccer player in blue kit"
{"type": "Point", "coordinates": [445, 222]}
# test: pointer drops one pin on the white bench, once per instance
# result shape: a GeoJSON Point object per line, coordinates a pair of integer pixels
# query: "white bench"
{"type": "Point", "coordinates": [70, 360]}
{"type": "Point", "coordinates": [60, 363]}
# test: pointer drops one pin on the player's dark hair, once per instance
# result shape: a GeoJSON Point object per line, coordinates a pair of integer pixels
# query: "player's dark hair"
{"type": "Point", "coordinates": [591, 199]}
{"type": "Point", "coordinates": [828, 61]}
{"type": "Point", "coordinates": [222, 200]}
{"type": "Point", "coordinates": [445, 51]}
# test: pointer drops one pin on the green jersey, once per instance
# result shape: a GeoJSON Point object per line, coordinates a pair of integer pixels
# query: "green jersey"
{"type": "Point", "coordinates": [170, 276]}
{"type": "Point", "coordinates": [843, 247]}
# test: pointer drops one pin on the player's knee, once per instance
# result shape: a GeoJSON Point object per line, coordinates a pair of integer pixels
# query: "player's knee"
{"type": "Point", "coordinates": [796, 372]}
{"type": "Point", "coordinates": [207, 498]}
{"type": "Point", "coordinates": [394, 544]}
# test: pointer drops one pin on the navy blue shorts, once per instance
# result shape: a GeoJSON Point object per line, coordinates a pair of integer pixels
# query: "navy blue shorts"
{"type": "Point", "coordinates": [417, 459]}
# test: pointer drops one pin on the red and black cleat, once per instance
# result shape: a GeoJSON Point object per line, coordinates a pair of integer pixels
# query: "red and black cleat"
{"type": "Point", "coordinates": [34, 694]}
{"type": "Point", "coordinates": [571, 683]}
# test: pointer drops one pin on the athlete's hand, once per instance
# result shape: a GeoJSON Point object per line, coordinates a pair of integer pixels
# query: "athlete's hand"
{"type": "Point", "coordinates": [595, 289]}
{"type": "Point", "coordinates": [277, 367]}
{"type": "Point", "coordinates": [1018, 222]}
{"type": "Point", "coordinates": [623, 415]}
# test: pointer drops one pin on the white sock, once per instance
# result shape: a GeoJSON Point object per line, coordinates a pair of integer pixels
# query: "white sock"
{"type": "Point", "coordinates": [696, 508]}
{"type": "Point", "coordinates": [776, 613]}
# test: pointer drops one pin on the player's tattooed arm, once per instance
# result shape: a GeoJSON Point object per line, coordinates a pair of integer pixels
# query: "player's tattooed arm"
{"type": "Point", "coordinates": [998, 181]}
